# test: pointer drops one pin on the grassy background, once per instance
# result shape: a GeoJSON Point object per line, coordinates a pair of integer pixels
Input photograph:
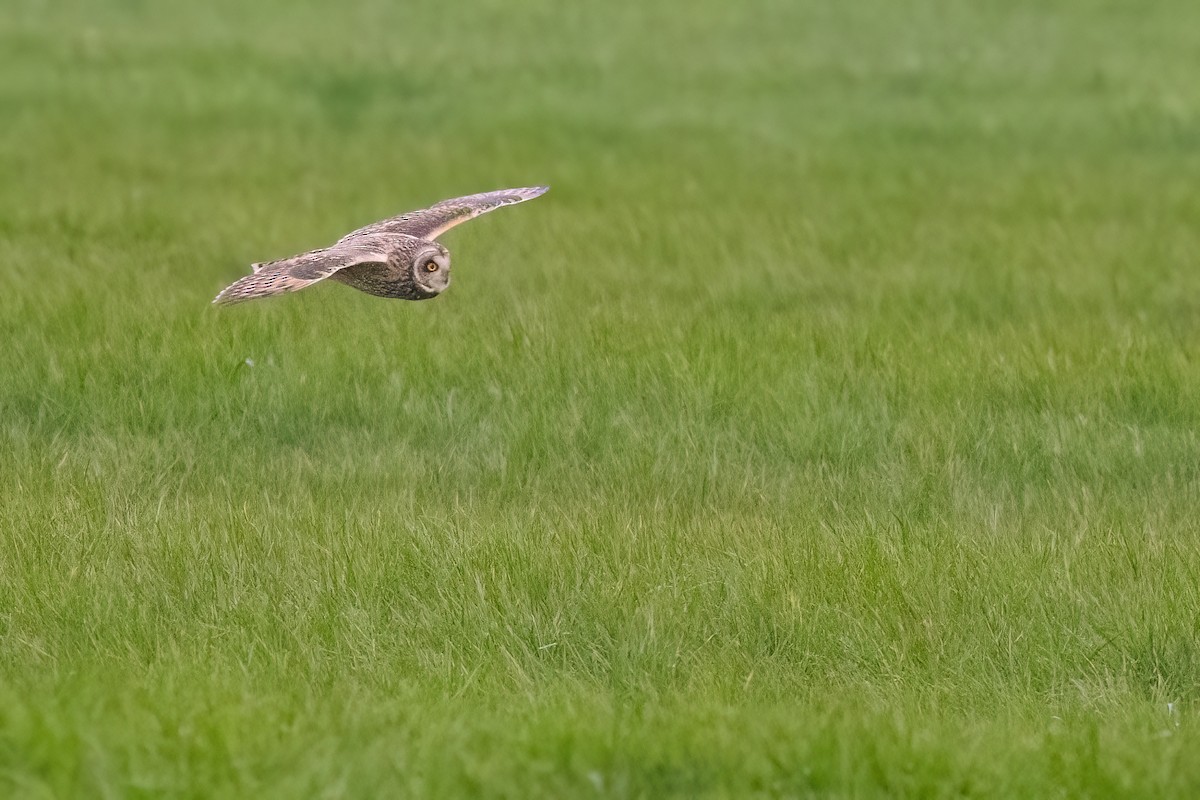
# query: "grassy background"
{"type": "Point", "coordinates": [832, 427]}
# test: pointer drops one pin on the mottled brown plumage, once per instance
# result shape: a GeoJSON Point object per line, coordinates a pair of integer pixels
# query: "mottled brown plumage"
{"type": "Point", "coordinates": [395, 257]}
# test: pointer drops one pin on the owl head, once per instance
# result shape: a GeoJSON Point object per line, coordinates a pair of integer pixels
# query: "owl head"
{"type": "Point", "coordinates": [427, 273]}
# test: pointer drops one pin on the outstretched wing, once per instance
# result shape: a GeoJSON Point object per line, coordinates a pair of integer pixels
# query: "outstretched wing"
{"type": "Point", "coordinates": [432, 222]}
{"type": "Point", "coordinates": [291, 274]}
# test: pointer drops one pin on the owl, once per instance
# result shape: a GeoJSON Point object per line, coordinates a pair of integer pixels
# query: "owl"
{"type": "Point", "coordinates": [396, 257]}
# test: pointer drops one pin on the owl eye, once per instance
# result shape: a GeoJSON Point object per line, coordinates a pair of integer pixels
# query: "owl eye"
{"type": "Point", "coordinates": [431, 266]}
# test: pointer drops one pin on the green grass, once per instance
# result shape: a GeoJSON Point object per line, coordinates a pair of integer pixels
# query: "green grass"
{"type": "Point", "coordinates": [831, 428]}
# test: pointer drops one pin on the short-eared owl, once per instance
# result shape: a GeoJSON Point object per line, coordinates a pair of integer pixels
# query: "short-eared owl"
{"type": "Point", "coordinates": [395, 257]}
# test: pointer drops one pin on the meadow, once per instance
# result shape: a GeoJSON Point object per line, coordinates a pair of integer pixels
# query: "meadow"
{"type": "Point", "coordinates": [831, 428]}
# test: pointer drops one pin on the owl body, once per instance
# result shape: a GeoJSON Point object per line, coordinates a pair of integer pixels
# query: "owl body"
{"type": "Point", "coordinates": [394, 258]}
{"type": "Point", "coordinates": [415, 269]}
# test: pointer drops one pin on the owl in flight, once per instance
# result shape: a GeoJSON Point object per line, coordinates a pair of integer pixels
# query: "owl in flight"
{"type": "Point", "coordinates": [395, 257]}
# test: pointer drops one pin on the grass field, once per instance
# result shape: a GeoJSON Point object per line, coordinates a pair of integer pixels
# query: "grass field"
{"type": "Point", "coordinates": [832, 427]}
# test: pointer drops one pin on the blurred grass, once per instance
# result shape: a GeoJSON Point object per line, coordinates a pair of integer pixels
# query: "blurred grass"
{"type": "Point", "coordinates": [830, 428]}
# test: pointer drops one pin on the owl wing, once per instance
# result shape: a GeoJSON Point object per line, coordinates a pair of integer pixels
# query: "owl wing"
{"type": "Point", "coordinates": [429, 223]}
{"type": "Point", "coordinates": [291, 274]}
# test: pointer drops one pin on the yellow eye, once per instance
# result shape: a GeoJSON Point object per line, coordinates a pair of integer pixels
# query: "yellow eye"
{"type": "Point", "coordinates": [431, 266]}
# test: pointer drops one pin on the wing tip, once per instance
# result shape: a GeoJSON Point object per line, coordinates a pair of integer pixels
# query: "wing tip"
{"type": "Point", "coordinates": [233, 293]}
